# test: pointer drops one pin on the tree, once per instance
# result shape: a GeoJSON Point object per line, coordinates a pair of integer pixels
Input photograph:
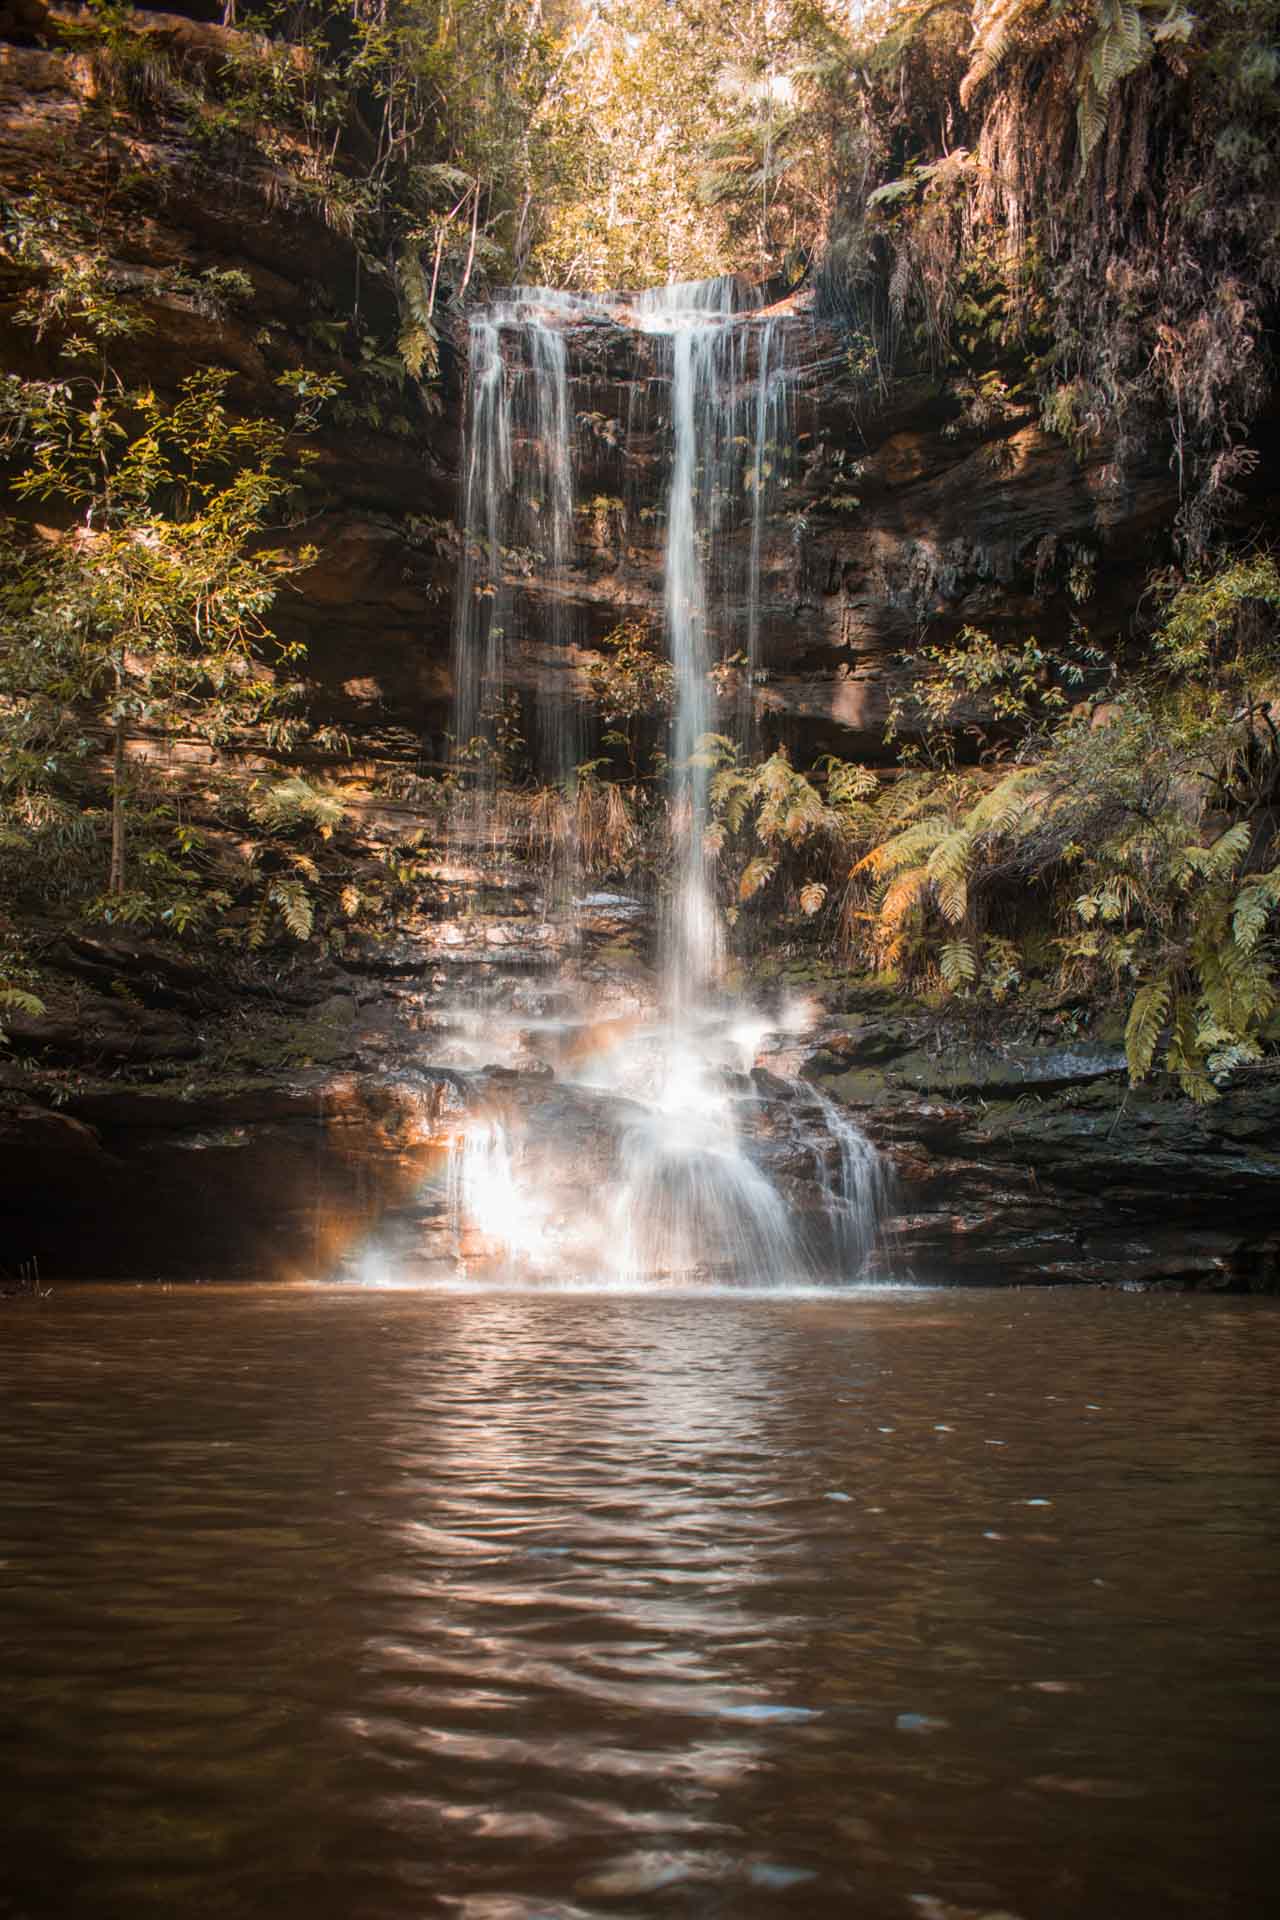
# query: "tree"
{"type": "Point", "coordinates": [149, 609]}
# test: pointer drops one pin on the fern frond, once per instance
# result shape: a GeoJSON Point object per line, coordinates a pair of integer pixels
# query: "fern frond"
{"type": "Point", "coordinates": [295, 802]}
{"type": "Point", "coordinates": [17, 1000]}
{"type": "Point", "coordinates": [994, 28]}
{"type": "Point", "coordinates": [812, 897]}
{"type": "Point", "coordinates": [1185, 1055]}
{"type": "Point", "coordinates": [418, 344]}
{"type": "Point", "coordinates": [904, 848]}
{"type": "Point", "coordinates": [899, 902]}
{"type": "Point", "coordinates": [1238, 990]}
{"type": "Point", "coordinates": [958, 965]}
{"type": "Point", "coordinates": [257, 930]}
{"type": "Point", "coordinates": [1000, 810]}
{"type": "Point", "coordinates": [1241, 1053]}
{"type": "Point", "coordinates": [756, 875]}
{"type": "Point", "coordinates": [1228, 850]}
{"type": "Point", "coordinates": [1147, 1016]}
{"type": "Point", "coordinates": [1121, 45]}
{"type": "Point", "coordinates": [1249, 916]}
{"type": "Point", "coordinates": [296, 907]}
{"type": "Point", "coordinates": [949, 871]}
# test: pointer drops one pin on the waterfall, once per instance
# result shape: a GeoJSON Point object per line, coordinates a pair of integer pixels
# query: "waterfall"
{"type": "Point", "coordinates": [766, 468]}
{"type": "Point", "coordinates": [478, 655]}
{"type": "Point", "coordinates": [854, 1183]}
{"type": "Point", "coordinates": [693, 1195]}
{"type": "Point", "coordinates": [517, 505]}
{"type": "Point", "coordinates": [709, 347]}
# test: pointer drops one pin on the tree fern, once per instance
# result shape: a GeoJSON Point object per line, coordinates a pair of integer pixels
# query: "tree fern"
{"type": "Point", "coordinates": [994, 27]}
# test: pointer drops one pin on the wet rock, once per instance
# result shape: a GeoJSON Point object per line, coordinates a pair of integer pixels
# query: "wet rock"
{"type": "Point", "coordinates": [1001, 1073]}
{"type": "Point", "coordinates": [102, 1030]}
{"type": "Point", "coordinates": [264, 1180]}
{"type": "Point", "coordinates": [34, 1133]}
{"type": "Point", "coordinates": [1037, 1164]}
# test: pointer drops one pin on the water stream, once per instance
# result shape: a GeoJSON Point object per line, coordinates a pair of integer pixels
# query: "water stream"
{"type": "Point", "coordinates": [689, 1193]}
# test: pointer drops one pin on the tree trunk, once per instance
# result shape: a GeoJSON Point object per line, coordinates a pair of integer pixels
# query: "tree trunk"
{"type": "Point", "coordinates": [116, 882]}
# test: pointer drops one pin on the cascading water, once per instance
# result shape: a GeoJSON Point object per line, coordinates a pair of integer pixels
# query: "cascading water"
{"type": "Point", "coordinates": [517, 501]}
{"type": "Point", "coordinates": [689, 1194]}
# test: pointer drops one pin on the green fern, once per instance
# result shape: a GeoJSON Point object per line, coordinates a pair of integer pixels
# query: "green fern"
{"type": "Point", "coordinates": [1121, 43]}
{"type": "Point", "coordinates": [295, 906]}
{"type": "Point", "coordinates": [294, 803]}
{"type": "Point", "coordinates": [18, 1000]}
{"type": "Point", "coordinates": [949, 871]}
{"type": "Point", "coordinates": [419, 343]}
{"type": "Point", "coordinates": [1252, 909]}
{"type": "Point", "coordinates": [1004, 807]}
{"type": "Point", "coordinates": [1186, 1054]}
{"type": "Point", "coordinates": [1147, 1016]}
{"type": "Point", "coordinates": [958, 965]}
{"type": "Point", "coordinates": [1216, 862]}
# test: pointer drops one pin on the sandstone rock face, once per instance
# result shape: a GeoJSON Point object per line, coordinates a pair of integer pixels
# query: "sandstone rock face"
{"type": "Point", "coordinates": [175, 1128]}
{"type": "Point", "coordinates": [1013, 1159]}
{"type": "Point", "coordinates": [890, 512]}
{"type": "Point", "coordinates": [172, 208]}
{"type": "Point", "coordinates": [890, 509]}
{"type": "Point", "coordinates": [1032, 1161]}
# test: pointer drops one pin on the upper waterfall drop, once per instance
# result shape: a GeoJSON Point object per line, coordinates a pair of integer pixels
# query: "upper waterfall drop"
{"type": "Point", "coordinates": [696, 1151]}
{"type": "Point", "coordinates": [722, 411]}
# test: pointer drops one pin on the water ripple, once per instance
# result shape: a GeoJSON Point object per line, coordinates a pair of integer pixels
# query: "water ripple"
{"type": "Point", "coordinates": [381, 1607]}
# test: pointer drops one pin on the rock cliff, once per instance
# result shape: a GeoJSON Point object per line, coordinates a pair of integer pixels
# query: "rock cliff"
{"type": "Point", "coordinates": [162, 1119]}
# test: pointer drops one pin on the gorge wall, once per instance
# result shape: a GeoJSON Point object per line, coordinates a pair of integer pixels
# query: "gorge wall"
{"type": "Point", "coordinates": [148, 1111]}
{"type": "Point", "coordinates": [910, 503]}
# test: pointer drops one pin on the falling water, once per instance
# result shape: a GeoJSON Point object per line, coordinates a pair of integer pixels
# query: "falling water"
{"type": "Point", "coordinates": [517, 505]}
{"type": "Point", "coordinates": [709, 397]}
{"type": "Point", "coordinates": [854, 1182]}
{"type": "Point", "coordinates": [689, 1196]}
{"type": "Point", "coordinates": [766, 466]}
{"type": "Point", "coordinates": [478, 654]}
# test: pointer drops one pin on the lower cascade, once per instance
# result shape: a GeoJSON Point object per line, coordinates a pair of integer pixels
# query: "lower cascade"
{"type": "Point", "coordinates": [660, 1137]}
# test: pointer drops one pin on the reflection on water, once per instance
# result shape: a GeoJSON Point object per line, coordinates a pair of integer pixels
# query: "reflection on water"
{"type": "Point", "coordinates": [353, 1604]}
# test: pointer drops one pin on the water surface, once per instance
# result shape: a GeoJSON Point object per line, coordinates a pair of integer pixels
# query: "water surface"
{"type": "Point", "coordinates": [367, 1605]}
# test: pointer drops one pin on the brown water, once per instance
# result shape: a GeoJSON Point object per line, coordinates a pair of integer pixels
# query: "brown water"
{"type": "Point", "coordinates": [368, 1604]}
